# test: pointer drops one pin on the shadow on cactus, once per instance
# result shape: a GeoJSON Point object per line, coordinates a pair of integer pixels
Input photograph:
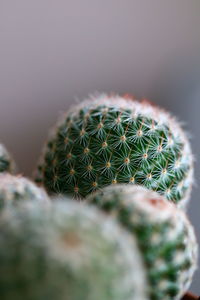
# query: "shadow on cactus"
{"type": "Point", "coordinates": [110, 139]}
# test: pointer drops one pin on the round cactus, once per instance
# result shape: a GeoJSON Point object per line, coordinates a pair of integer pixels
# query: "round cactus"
{"type": "Point", "coordinates": [67, 252]}
{"type": "Point", "coordinates": [164, 234]}
{"type": "Point", "coordinates": [108, 140]}
{"type": "Point", "coordinates": [15, 189]}
{"type": "Point", "coordinates": [6, 162]}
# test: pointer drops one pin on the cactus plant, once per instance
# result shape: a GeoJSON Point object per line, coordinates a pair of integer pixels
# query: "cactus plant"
{"type": "Point", "coordinates": [66, 251]}
{"type": "Point", "coordinates": [16, 189]}
{"type": "Point", "coordinates": [164, 234]}
{"type": "Point", "coordinates": [110, 139]}
{"type": "Point", "coordinates": [6, 162]}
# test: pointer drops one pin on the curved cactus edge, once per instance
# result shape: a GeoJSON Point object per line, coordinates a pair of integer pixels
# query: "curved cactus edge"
{"type": "Point", "coordinates": [149, 109]}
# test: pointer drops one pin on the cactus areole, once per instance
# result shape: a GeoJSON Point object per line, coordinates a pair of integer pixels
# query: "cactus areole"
{"type": "Point", "coordinates": [110, 139]}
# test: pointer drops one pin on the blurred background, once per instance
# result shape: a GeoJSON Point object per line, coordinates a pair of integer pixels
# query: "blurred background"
{"type": "Point", "coordinates": [53, 52]}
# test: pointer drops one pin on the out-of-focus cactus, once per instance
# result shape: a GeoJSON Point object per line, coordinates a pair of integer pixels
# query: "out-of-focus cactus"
{"type": "Point", "coordinates": [67, 252]}
{"type": "Point", "coordinates": [15, 190]}
{"type": "Point", "coordinates": [110, 139]}
{"type": "Point", "coordinates": [6, 162]}
{"type": "Point", "coordinates": [164, 234]}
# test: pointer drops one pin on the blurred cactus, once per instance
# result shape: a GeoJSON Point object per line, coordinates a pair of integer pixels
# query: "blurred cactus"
{"type": "Point", "coordinates": [164, 234]}
{"type": "Point", "coordinates": [6, 162]}
{"type": "Point", "coordinates": [67, 252]}
{"type": "Point", "coordinates": [108, 140]}
{"type": "Point", "coordinates": [16, 189]}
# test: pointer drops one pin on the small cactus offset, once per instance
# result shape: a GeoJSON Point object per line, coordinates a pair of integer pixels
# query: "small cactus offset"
{"type": "Point", "coordinates": [110, 139]}
{"type": "Point", "coordinates": [67, 252]}
{"type": "Point", "coordinates": [6, 162]}
{"type": "Point", "coordinates": [16, 189]}
{"type": "Point", "coordinates": [164, 234]}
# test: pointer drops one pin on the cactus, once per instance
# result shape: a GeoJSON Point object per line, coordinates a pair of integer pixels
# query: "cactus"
{"type": "Point", "coordinates": [66, 251]}
{"type": "Point", "coordinates": [6, 162]}
{"type": "Point", "coordinates": [16, 189]}
{"type": "Point", "coordinates": [108, 140]}
{"type": "Point", "coordinates": [164, 234]}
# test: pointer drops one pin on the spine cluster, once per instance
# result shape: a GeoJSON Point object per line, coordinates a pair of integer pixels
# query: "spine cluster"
{"type": "Point", "coordinates": [67, 252]}
{"type": "Point", "coordinates": [109, 140]}
{"type": "Point", "coordinates": [164, 234]}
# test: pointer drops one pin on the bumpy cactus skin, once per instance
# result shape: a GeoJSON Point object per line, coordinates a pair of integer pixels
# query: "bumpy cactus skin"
{"type": "Point", "coordinates": [110, 140]}
{"type": "Point", "coordinates": [67, 252]}
{"type": "Point", "coordinates": [164, 234]}
{"type": "Point", "coordinates": [6, 162]}
{"type": "Point", "coordinates": [17, 189]}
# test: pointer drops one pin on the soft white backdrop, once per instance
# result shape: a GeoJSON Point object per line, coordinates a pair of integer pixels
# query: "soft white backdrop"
{"type": "Point", "coordinates": [54, 51]}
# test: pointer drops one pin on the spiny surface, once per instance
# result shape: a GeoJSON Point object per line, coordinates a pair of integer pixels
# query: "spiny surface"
{"type": "Point", "coordinates": [164, 234]}
{"type": "Point", "coordinates": [112, 140]}
{"type": "Point", "coordinates": [6, 162]}
{"type": "Point", "coordinates": [17, 189]}
{"type": "Point", "coordinates": [65, 252]}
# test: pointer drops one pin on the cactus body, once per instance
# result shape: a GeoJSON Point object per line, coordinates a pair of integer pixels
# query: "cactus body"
{"type": "Point", "coordinates": [164, 234]}
{"type": "Point", "coordinates": [6, 162]}
{"type": "Point", "coordinates": [110, 140]}
{"type": "Point", "coordinates": [16, 189]}
{"type": "Point", "coordinates": [67, 252]}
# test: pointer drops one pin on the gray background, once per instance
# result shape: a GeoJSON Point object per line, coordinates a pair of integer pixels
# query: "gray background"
{"type": "Point", "coordinates": [52, 52]}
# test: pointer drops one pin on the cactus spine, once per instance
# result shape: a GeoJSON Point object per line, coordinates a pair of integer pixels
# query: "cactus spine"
{"type": "Point", "coordinates": [17, 189]}
{"type": "Point", "coordinates": [164, 234]}
{"type": "Point", "coordinates": [67, 252]}
{"type": "Point", "coordinates": [108, 140]}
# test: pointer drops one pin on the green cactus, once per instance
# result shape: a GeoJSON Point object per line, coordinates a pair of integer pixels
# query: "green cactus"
{"type": "Point", "coordinates": [16, 189]}
{"type": "Point", "coordinates": [108, 140]}
{"type": "Point", "coordinates": [66, 251]}
{"type": "Point", "coordinates": [164, 234]}
{"type": "Point", "coordinates": [6, 162]}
